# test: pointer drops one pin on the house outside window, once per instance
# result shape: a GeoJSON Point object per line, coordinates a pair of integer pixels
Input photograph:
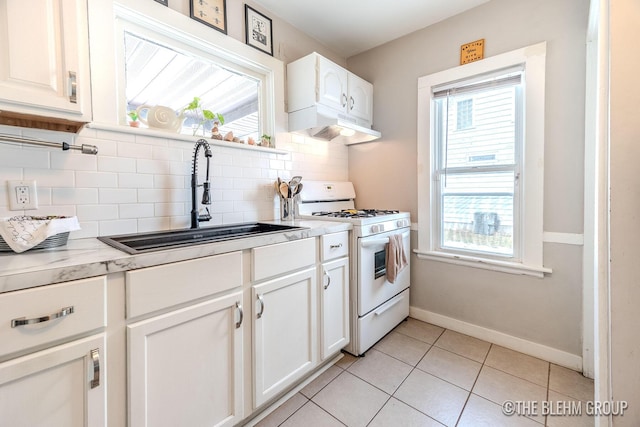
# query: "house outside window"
{"type": "Point", "coordinates": [480, 147]}
{"type": "Point", "coordinates": [477, 169]}
{"type": "Point", "coordinates": [464, 114]}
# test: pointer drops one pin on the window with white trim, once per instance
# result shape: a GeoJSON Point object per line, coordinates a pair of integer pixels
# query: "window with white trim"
{"type": "Point", "coordinates": [480, 163]}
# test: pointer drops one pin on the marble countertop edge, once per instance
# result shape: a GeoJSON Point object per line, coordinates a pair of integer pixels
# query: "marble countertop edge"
{"type": "Point", "coordinates": [89, 257]}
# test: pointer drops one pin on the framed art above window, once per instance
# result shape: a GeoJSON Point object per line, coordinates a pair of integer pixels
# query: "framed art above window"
{"type": "Point", "coordinates": [259, 31]}
{"type": "Point", "coordinates": [210, 12]}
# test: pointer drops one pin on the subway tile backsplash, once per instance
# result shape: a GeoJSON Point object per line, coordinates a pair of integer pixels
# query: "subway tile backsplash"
{"type": "Point", "coordinates": [140, 183]}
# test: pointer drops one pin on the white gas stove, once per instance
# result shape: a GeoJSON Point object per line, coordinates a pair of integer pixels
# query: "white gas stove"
{"type": "Point", "coordinates": [377, 305]}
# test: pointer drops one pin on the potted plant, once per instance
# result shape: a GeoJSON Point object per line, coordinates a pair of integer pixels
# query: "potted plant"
{"type": "Point", "coordinates": [202, 115]}
{"type": "Point", "coordinates": [133, 117]}
{"type": "Point", "coordinates": [265, 140]}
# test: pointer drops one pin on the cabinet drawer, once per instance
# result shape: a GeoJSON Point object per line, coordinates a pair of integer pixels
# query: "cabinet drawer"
{"type": "Point", "coordinates": [53, 313]}
{"type": "Point", "coordinates": [274, 260]}
{"type": "Point", "coordinates": [155, 288]}
{"type": "Point", "coordinates": [334, 245]}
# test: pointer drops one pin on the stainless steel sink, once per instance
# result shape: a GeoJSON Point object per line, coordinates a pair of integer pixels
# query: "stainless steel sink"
{"type": "Point", "coordinates": [156, 241]}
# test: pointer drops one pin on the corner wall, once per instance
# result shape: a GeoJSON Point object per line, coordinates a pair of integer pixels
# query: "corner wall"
{"type": "Point", "coordinates": [543, 311]}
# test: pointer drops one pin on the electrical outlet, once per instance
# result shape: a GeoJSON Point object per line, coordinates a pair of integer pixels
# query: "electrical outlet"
{"type": "Point", "coordinates": [22, 195]}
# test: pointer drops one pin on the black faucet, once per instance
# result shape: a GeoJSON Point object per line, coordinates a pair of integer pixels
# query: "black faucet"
{"type": "Point", "coordinates": [196, 218]}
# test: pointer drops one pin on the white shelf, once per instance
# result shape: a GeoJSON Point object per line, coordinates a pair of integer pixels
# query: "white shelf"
{"type": "Point", "coordinates": [180, 137]}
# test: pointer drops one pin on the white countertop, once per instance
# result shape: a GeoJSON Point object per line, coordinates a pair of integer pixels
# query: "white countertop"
{"type": "Point", "coordinates": [82, 258]}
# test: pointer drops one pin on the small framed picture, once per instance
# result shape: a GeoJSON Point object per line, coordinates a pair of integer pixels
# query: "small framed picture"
{"type": "Point", "coordinates": [259, 33]}
{"type": "Point", "coordinates": [164, 2]}
{"type": "Point", "coordinates": [210, 12]}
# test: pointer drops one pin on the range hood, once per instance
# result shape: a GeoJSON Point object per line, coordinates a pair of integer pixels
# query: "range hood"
{"type": "Point", "coordinates": [325, 123]}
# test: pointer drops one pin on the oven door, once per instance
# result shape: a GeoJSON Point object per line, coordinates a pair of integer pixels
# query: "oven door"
{"type": "Point", "coordinates": [373, 286]}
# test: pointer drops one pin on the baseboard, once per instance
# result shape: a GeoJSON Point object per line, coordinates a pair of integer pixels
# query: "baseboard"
{"type": "Point", "coordinates": [540, 351]}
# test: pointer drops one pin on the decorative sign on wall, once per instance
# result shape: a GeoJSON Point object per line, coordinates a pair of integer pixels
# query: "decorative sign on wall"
{"type": "Point", "coordinates": [259, 33]}
{"type": "Point", "coordinates": [473, 51]}
{"type": "Point", "coordinates": [210, 12]}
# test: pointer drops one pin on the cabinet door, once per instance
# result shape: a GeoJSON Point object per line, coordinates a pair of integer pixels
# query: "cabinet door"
{"type": "Point", "coordinates": [360, 98]}
{"type": "Point", "coordinates": [44, 58]}
{"type": "Point", "coordinates": [334, 306]}
{"type": "Point", "coordinates": [332, 85]}
{"type": "Point", "coordinates": [185, 367]}
{"type": "Point", "coordinates": [53, 387]}
{"type": "Point", "coordinates": [284, 328]}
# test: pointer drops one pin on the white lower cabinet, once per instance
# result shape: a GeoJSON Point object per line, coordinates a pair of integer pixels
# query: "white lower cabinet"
{"type": "Point", "coordinates": [61, 386]}
{"type": "Point", "coordinates": [284, 332]}
{"type": "Point", "coordinates": [185, 366]}
{"type": "Point", "coordinates": [334, 307]}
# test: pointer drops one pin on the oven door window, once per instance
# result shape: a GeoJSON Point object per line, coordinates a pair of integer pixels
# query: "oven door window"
{"type": "Point", "coordinates": [380, 263]}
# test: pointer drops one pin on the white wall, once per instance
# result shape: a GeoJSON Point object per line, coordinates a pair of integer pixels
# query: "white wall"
{"type": "Point", "coordinates": [545, 311]}
{"type": "Point", "coordinates": [624, 207]}
{"type": "Point", "coordinates": [142, 183]}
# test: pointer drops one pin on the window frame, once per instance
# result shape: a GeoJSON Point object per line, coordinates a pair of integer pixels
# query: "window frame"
{"type": "Point", "coordinates": [530, 260]}
{"type": "Point", "coordinates": [185, 34]}
{"type": "Point", "coordinates": [441, 170]}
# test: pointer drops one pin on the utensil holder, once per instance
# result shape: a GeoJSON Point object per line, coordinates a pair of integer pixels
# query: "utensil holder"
{"type": "Point", "coordinates": [288, 209]}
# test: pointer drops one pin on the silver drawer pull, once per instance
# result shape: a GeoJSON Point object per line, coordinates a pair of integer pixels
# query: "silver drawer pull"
{"type": "Point", "coordinates": [339, 245]}
{"type": "Point", "coordinates": [24, 321]}
{"type": "Point", "coordinates": [95, 359]}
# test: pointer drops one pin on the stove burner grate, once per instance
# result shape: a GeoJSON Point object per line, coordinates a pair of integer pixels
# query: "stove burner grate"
{"type": "Point", "coordinates": [354, 213]}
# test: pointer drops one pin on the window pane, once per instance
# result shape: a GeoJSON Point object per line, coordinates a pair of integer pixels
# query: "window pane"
{"type": "Point", "coordinates": [477, 212]}
{"type": "Point", "coordinates": [162, 75]}
{"type": "Point", "coordinates": [478, 129]}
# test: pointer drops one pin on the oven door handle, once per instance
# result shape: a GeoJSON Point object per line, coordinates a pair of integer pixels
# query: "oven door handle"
{"type": "Point", "coordinates": [378, 242]}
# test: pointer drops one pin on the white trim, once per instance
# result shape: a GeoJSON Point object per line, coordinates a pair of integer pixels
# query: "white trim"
{"type": "Point", "coordinates": [550, 354]}
{"type": "Point", "coordinates": [485, 263]}
{"type": "Point", "coordinates": [534, 59]}
{"type": "Point", "coordinates": [564, 238]}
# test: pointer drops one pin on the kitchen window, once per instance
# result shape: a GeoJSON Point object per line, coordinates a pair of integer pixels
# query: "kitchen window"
{"type": "Point", "coordinates": [480, 151]}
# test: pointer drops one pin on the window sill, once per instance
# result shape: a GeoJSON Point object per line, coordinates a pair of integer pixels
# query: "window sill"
{"type": "Point", "coordinates": [179, 137]}
{"type": "Point", "coordinates": [485, 264]}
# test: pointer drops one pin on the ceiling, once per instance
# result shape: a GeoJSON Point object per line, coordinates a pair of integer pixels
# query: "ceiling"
{"type": "Point", "coordinates": [354, 26]}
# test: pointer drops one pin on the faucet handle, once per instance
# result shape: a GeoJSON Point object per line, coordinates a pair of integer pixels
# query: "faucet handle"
{"type": "Point", "coordinates": [205, 217]}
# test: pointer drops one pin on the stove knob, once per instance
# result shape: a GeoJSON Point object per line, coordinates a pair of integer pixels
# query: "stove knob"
{"type": "Point", "coordinates": [401, 223]}
{"type": "Point", "coordinates": [377, 228]}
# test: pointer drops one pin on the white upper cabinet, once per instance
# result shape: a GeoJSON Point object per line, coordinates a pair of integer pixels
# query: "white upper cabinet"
{"type": "Point", "coordinates": [360, 101]}
{"type": "Point", "coordinates": [332, 84]}
{"type": "Point", "coordinates": [44, 58]}
{"type": "Point", "coordinates": [314, 79]}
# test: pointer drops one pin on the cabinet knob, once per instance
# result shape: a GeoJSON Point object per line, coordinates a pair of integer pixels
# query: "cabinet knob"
{"type": "Point", "coordinates": [344, 100]}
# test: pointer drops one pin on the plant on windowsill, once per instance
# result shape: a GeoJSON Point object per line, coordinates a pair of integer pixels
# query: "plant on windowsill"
{"type": "Point", "coordinates": [265, 140]}
{"type": "Point", "coordinates": [202, 115]}
{"type": "Point", "coordinates": [133, 117]}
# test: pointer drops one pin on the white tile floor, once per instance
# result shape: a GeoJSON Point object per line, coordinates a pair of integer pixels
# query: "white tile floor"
{"type": "Point", "coordinates": [423, 375]}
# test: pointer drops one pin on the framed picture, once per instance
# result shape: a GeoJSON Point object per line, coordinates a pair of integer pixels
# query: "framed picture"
{"type": "Point", "coordinates": [259, 33]}
{"type": "Point", "coordinates": [164, 2]}
{"type": "Point", "coordinates": [210, 12]}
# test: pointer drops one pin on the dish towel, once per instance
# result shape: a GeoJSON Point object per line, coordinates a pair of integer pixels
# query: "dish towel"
{"type": "Point", "coordinates": [396, 258]}
{"type": "Point", "coordinates": [23, 233]}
